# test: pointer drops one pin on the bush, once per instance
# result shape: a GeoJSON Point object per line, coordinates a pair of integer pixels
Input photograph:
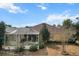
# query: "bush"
{"type": "Point", "coordinates": [41, 46]}
{"type": "Point", "coordinates": [33, 48]}
{"type": "Point", "coordinates": [19, 49]}
{"type": "Point", "coordinates": [49, 41]}
{"type": "Point", "coordinates": [71, 40]}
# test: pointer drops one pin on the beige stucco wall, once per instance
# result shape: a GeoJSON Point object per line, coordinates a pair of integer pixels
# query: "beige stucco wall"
{"type": "Point", "coordinates": [57, 36]}
{"type": "Point", "coordinates": [62, 36]}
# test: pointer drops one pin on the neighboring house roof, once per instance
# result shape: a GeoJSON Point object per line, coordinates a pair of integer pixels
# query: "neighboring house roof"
{"type": "Point", "coordinates": [52, 29]}
{"type": "Point", "coordinates": [13, 30]}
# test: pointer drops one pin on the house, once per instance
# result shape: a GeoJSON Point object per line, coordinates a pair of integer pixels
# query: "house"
{"type": "Point", "coordinates": [20, 37]}
{"type": "Point", "coordinates": [25, 37]}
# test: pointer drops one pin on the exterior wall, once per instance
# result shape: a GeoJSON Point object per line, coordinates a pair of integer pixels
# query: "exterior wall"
{"type": "Point", "coordinates": [61, 36]}
{"type": "Point", "coordinates": [58, 36]}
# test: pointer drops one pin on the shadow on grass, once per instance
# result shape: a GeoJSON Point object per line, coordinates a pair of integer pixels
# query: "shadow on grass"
{"type": "Point", "coordinates": [53, 44]}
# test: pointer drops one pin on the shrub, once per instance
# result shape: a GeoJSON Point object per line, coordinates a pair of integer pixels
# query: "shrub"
{"type": "Point", "coordinates": [71, 40]}
{"type": "Point", "coordinates": [41, 46]}
{"type": "Point", "coordinates": [19, 49]}
{"type": "Point", "coordinates": [33, 48]}
{"type": "Point", "coordinates": [49, 41]}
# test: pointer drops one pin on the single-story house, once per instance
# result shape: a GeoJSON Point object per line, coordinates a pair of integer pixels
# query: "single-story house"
{"type": "Point", "coordinates": [20, 37]}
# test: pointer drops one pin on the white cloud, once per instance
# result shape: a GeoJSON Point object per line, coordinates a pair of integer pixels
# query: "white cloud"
{"type": "Point", "coordinates": [42, 6]}
{"type": "Point", "coordinates": [23, 25]}
{"type": "Point", "coordinates": [10, 7]}
{"type": "Point", "coordinates": [59, 18]}
{"type": "Point", "coordinates": [71, 3]}
{"type": "Point", "coordinates": [66, 12]}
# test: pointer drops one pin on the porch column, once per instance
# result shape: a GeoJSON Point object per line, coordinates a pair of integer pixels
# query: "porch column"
{"type": "Point", "coordinates": [16, 40]}
{"type": "Point", "coordinates": [19, 40]}
{"type": "Point", "coordinates": [4, 39]}
{"type": "Point", "coordinates": [31, 38]}
{"type": "Point", "coordinates": [38, 41]}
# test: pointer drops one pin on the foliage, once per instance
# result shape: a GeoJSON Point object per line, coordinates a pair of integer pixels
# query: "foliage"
{"type": "Point", "coordinates": [41, 46]}
{"type": "Point", "coordinates": [77, 18]}
{"type": "Point", "coordinates": [19, 49]}
{"type": "Point", "coordinates": [71, 40]}
{"type": "Point", "coordinates": [2, 32]}
{"type": "Point", "coordinates": [22, 40]}
{"type": "Point", "coordinates": [67, 23]}
{"type": "Point", "coordinates": [33, 48]}
{"type": "Point", "coordinates": [77, 34]}
{"type": "Point", "coordinates": [76, 26]}
{"type": "Point", "coordinates": [44, 34]}
{"type": "Point", "coordinates": [8, 25]}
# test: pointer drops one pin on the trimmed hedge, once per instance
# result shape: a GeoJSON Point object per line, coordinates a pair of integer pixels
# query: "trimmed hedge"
{"type": "Point", "coordinates": [19, 49]}
{"type": "Point", "coordinates": [71, 40]}
{"type": "Point", "coordinates": [33, 48]}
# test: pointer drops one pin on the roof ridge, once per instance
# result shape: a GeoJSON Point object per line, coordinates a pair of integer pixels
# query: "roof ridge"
{"type": "Point", "coordinates": [13, 31]}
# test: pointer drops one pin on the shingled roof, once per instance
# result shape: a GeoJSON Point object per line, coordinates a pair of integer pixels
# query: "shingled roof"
{"type": "Point", "coordinates": [13, 30]}
{"type": "Point", "coordinates": [52, 29]}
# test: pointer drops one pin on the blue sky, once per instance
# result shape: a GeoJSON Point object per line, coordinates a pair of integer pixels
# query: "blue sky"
{"type": "Point", "coordinates": [29, 14]}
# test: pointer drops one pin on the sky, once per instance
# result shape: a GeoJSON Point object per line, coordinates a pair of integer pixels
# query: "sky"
{"type": "Point", "coordinates": [30, 14]}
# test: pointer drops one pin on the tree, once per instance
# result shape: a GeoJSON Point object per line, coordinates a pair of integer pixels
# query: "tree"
{"type": "Point", "coordinates": [77, 28]}
{"type": "Point", "coordinates": [8, 25]}
{"type": "Point", "coordinates": [44, 34]}
{"type": "Point", "coordinates": [54, 25]}
{"type": "Point", "coordinates": [77, 18]}
{"type": "Point", "coordinates": [2, 33]}
{"type": "Point", "coordinates": [67, 23]}
{"type": "Point", "coordinates": [59, 26]}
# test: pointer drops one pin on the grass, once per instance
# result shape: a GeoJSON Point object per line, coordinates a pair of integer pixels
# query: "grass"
{"type": "Point", "coordinates": [56, 49]}
{"type": "Point", "coordinates": [52, 49]}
